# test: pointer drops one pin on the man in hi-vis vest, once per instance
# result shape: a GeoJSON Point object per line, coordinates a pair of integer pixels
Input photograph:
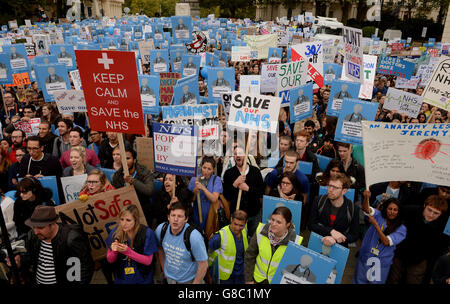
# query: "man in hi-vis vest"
{"type": "Point", "coordinates": [230, 244]}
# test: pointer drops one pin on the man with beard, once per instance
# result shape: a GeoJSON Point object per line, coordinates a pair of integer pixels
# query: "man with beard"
{"type": "Point", "coordinates": [46, 135]}
{"type": "Point", "coordinates": [17, 138]}
{"type": "Point", "coordinates": [252, 185]}
{"type": "Point", "coordinates": [62, 143]}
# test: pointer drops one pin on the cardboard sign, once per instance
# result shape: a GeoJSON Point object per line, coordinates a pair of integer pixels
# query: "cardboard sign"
{"type": "Point", "coordinates": [175, 148]}
{"type": "Point", "coordinates": [437, 92]}
{"type": "Point", "coordinates": [403, 102]}
{"type": "Point", "coordinates": [335, 252]}
{"type": "Point", "coordinates": [353, 56]}
{"type": "Point", "coordinates": [316, 267]}
{"type": "Point", "coordinates": [144, 150]}
{"type": "Point", "coordinates": [256, 112]}
{"type": "Point", "coordinates": [72, 186]}
{"type": "Point", "coordinates": [99, 215]}
{"type": "Point", "coordinates": [290, 75]}
{"type": "Point", "coordinates": [166, 83]}
{"type": "Point", "coordinates": [70, 101]}
{"type": "Point", "coordinates": [413, 152]}
{"type": "Point", "coordinates": [111, 88]}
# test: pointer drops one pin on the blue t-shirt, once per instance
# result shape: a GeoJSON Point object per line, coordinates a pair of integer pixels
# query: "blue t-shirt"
{"type": "Point", "coordinates": [271, 180]}
{"type": "Point", "coordinates": [178, 264]}
{"type": "Point", "coordinates": [217, 187]}
{"type": "Point", "coordinates": [150, 247]}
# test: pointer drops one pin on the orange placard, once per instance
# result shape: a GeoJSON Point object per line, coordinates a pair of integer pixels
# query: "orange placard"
{"type": "Point", "coordinates": [20, 79]}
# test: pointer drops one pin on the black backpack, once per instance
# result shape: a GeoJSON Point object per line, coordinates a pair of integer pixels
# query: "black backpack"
{"type": "Point", "coordinates": [186, 236]}
{"type": "Point", "coordinates": [350, 209]}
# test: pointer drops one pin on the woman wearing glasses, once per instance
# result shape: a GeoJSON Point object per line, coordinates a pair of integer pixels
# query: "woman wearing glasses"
{"type": "Point", "coordinates": [288, 188]}
{"type": "Point", "coordinates": [96, 182]}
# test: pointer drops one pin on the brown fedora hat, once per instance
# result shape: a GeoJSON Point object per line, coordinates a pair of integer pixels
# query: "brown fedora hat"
{"type": "Point", "coordinates": [42, 216]}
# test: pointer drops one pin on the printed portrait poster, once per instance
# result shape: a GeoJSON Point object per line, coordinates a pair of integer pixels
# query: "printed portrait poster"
{"type": "Point", "coordinates": [403, 102]}
{"type": "Point", "coordinates": [157, 31]}
{"type": "Point", "coordinates": [182, 29]}
{"type": "Point", "coordinates": [336, 252]}
{"type": "Point", "coordinates": [301, 265]}
{"type": "Point", "coordinates": [220, 81]}
{"type": "Point", "coordinates": [159, 61]}
{"type": "Point", "coordinates": [65, 53]}
{"type": "Point", "coordinates": [99, 215]}
{"type": "Point", "coordinates": [254, 112]}
{"type": "Point", "coordinates": [42, 42]}
{"type": "Point", "coordinates": [250, 84]}
{"type": "Point", "coordinates": [45, 59]}
{"type": "Point", "coordinates": [447, 227]}
{"type": "Point", "coordinates": [341, 89]}
{"type": "Point", "coordinates": [223, 58]}
{"type": "Point", "coordinates": [300, 102]}
{"type": "Point", "coordinates": [149, 89]}
{"type": "Point", "coordinates": [175, 59]}
{"type": "Point", "coordinates": [275, 55]}
{"type": "Point", "coordinates": [414, 152]}
{"type": "Point", "coordinates": [437, 92]}
{"type": "Point", "coordinates": [186, 92]}
{"type": "Point", "coordinates": [331, 71]}
{"type": "Point", "coordinates": [270, 203]}
{"type": "Point", "coordinates": [353, 112]}
{"type": "Point", "coordinates": [52, 78]}
{"type": "Point", "coordinates": [190, 65]}
{"type": "Point", "coordinates": [18, 57]}
{"type": "Point", "coordinates": [5, 69]}
{"type": "Point", "coordinates": [211, 60]}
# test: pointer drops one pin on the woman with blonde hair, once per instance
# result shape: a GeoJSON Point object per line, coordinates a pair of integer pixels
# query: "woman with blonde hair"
{"type": "Point", "coordinates": [131, 246]}
{"type": "Point", "coordinates": [78, 165]}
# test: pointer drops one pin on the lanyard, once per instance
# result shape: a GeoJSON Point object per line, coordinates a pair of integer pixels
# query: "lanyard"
{"type": "Point", "coordinates": [378, 244]}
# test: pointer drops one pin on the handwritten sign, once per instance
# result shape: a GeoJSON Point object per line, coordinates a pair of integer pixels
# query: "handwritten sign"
{"type": "Point", "coordinates": [290, 75]}
{"type": "Point", "coordinates": [70, 101]}
{"type": "Point", "coordinates": [414, 152]}
{"type": "Point", "coordinates": [403, 102]}
{"type": "Point", "coordinates": [72, 186]}
{"type": "Point", "coordinates": [30, 127]}
{"type": "Point", "coordinates": [353, 56]}
{"type": "Point", "coordinates": [437, 92]}
{"type": "Point", "coordinates": [166, 83]}
{"type": "Point", "coordinates": [99, 215]}
{"type": "Point", "coordinates": [144, 150]}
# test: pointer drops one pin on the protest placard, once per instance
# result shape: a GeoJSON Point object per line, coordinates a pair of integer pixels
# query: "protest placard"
{"type": "Point", "coordinates": [341, 89]}
{"type": "Point", "coordinates": [353, 112]}
{"type": "Point", "coordinates": [300, 102]}
{"type": "Point", "coordinates": [300, 265]}
{"type": "Point", "coordinates": [403, 151]}
{"type": "Point", "coordinates": [260, 44]}
{"type": "Point", "coordinates": [403, 102]}
{"type": "Point", "coordinates": [240, 53]}
{"type": "Point", "coordinates": [403, 83]}
{"type": "Point", "coordinates": [269, 74]}
{"type": "Point", "coordinates": [144, 150]}
{"type": "Point", "coordinates": [175, 149]}
{"type": "Point", "coordinates": [144, 50]}
{"type": "Point", "coordinates": [70, 101]}
{"type": "Point", "coordinates": [312, 53]}
{"type": "Point", "coordinates": [220, 81]}
{"type": "Point", "coordinates": [149, 96]}
{"type": "Point", "coordinates": [336, 252]}
{"type": "Point", "coordinates": [274, 55]}
{"type": "Point", "coordinates": [65, 53]}
{"type": "Point", "coordinates": [205, 116]}
{"type": "Point", "coordinates": [437, 92]}
{"type": "Point", "coordinates": [254, 112]}
{"type": "Point", "coordinates": [72, 186]}
{"type": "Point", "coordinates": [159, 61]}
{"type": "Point", "coordinates": [395, 66]}
{"type": "Point", "coordinates": [290, 75]}
{"type": "Point", "coordinates": [99, 215]}
{"type": "Point", "coordinates": [250, 84]}
{"type": "Point", "coordinates": [111, 89]}
{"type": "Point", "coordinates": [270, 203]}
{"type": "Point", "coordinates": [166, 83]}
{"type": "Point", "coordinates": [353, 56]}
{"type": "Point", "coordinates": [18, 57]}
{"type": "Point", "coordinates": [331, 71]}
{"type": "Point", "coordinates": [75, 75]}
{"type": "Point", "coordinates": [30, 127]}
{"type": "Point", "coordinates": [52, 78]}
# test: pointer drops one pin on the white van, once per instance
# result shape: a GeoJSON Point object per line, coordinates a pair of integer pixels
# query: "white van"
{"type": "Point", "coordinates": [327, 28]}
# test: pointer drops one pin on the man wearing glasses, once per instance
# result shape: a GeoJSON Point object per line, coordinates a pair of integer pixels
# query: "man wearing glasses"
{"type": "Point", "coordinates": [37, 163]}
{"type": "Point", "coordinates": [334, 216]}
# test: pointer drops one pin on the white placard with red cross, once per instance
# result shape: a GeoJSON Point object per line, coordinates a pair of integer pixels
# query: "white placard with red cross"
{"type": "Point", "coordinates": [111, 89]}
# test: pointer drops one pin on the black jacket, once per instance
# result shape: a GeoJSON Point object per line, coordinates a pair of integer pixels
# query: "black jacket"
{"type": "Point", "coordinates": [68, 242]}
{"type": "Point", "coordinates": [320, 223]}
{"type": "Point", "coordinates": [48, 166]}
{"type": "Point", "coordinates": [162, 199]}
{"type": "Point", "coordinates": [105, 153]}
